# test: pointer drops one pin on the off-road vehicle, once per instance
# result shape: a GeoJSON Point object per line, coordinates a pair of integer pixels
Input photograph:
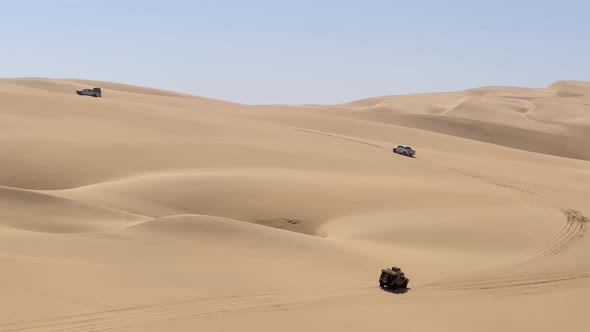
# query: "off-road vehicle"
{"type": "Point", "coordinates": [405, 150]}
{"type": "Point", "coordinates": [94, 92]}
{"type": "Point", "coordinates": [393, 278]}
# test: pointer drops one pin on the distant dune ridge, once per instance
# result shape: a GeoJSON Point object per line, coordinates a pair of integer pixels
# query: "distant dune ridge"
{"type": "Point", "coordinates": [151, 210]}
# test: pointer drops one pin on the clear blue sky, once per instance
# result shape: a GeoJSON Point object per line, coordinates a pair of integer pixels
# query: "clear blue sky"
{"type": "Point", "coordinates": [304, 51]}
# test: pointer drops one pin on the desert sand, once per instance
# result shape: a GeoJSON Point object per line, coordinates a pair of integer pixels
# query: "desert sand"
{"type": "Point", "coordinates": [149, 210]}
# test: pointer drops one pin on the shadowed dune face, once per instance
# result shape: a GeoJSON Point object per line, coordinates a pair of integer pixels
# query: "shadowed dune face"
{"type": "Point", "coordinates": [150, 210]}
{"type": "Point", "coordinates": [554, 120]}
{"type": "Point", "coordinates": [28, 210]}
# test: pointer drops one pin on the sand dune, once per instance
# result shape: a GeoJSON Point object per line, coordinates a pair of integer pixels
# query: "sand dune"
{"type": "Point", "coordinates": [150, 210]}
{"type": "Point", "coordinates": [32, 211]}
{"type": "Point", "coordinates": [549, 118]}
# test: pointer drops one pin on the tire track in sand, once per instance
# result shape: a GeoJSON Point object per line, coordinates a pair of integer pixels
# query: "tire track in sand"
{"type": "Point", "coordinates": [574, 228]}
{"type": "Point", "coordinates": [158, 313]}
{"type": "Point", "coordinates": [491, 181]}
{"type": "Point", "coordinates": [511, 283]}
{"type": "Point", "coordinates": [338, 137]}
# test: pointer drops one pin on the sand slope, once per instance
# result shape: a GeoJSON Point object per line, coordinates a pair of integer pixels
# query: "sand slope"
{"type": "Point", "coordinates": [38, 212]}
{"type": "Point", "coordinates": [150, 210]}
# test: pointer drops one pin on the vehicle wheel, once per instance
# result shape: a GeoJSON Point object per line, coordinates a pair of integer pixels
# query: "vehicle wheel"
{"type": "Point", "coordinates": [382, 285]}
{"type": "Point", "coordinates": [94, 95]}
{"type": "Point", "coordinates": [405, 153]}
{"type": "Point", "coordinates": [405, 284]}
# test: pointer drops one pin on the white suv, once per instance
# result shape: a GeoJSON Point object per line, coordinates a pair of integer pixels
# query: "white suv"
{"type": "Point", "coordinates": [405, 150]}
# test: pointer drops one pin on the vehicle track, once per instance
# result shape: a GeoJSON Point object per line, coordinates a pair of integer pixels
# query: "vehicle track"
{"type": "Point", "coordinates": [142, 315]}
{"type": "Point", "coordinates": [153, 314]}
{"type": "Point", "coordinates": [491, 181]}
{"type": "Point", "coordinates": [74, 300]}
{"type": "Point", "coordinates": [511, 284]}
{"type": "Point", "coordinates": [512, 281]}
{"type": "Point", "coordinates": [339, 137]}
{"type": "Point", "coordinates": [574, 228]}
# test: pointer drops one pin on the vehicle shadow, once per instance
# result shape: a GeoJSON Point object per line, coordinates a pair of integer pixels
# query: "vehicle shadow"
{"type": "Point", "coordinates": [398, 291]}
{"type": "Point", "coordinates": [403, 155]}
